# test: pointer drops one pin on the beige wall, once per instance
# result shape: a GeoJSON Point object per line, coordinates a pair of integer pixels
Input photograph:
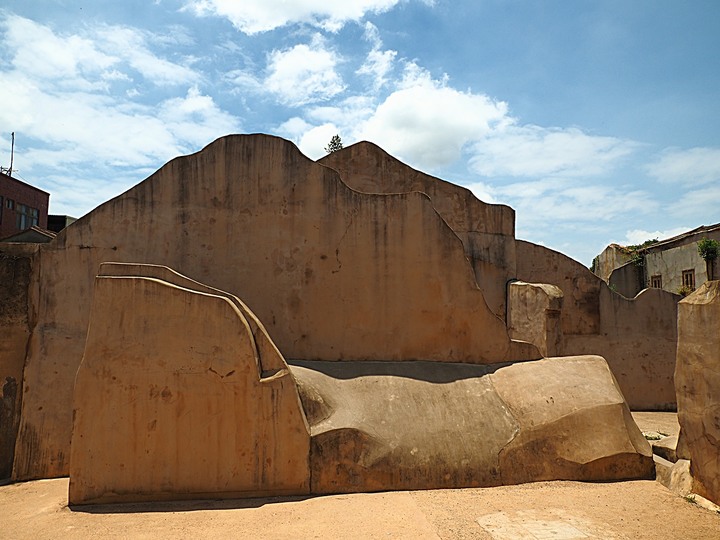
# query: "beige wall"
{"type": "Point", "coordinates": [637, 336]}
{"type": "Point", "coordinates": [486, 230]}
{"type": "Point", "coordinates": [170, 400]}
{"type": "Point", "coordinates": [697, 381]}
{"type": "Point", "coordinates": [332, 273]}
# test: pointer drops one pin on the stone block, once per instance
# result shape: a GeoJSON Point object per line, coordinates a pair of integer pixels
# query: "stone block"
{"type": "Point", "coordinates": [421, 425]}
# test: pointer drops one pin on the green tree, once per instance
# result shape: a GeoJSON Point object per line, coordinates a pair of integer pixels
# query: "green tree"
{"type": "Point", "coordinates": [708, 250]}
{"type": "Point", "coordinates": [335, 144]}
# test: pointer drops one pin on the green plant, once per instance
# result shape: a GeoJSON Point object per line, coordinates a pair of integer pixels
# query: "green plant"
{"type": "Point", "coordinates": [684, 291]}
{"type": "Point", "coordinates": [637, 258]}
{"type": "Point", "coordinates": [637, 251]}
{"type": "Point", "coordinates": [708, 249]}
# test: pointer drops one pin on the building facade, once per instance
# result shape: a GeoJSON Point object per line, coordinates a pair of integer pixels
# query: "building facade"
{"type": "Point", "coordinates": [21, 206]}
{"type": "Point", "coordinates": [674, 265]}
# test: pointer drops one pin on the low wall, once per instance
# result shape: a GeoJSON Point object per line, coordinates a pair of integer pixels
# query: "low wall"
{"type": "Point", "coordinates": [637, 337]}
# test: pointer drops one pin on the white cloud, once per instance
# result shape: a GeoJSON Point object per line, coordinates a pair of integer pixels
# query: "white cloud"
{"type": "Point", "coordinates": [254, 16]}
{"type": "Point", "coordinates": [196, 119]}
{"type": "Point", "coordinates": [638, 236]}
{"type": "Point", "coordinates": [59, 94]}
{"type": "Point", "coordinates": [700, 205]}
{"type": "Point", "coordinates": [427, 122]}
{"type": "Point", "coordinates": [547, 201]}
{"type": "Point", "coordinates": [528, 150]}
{"type": "Point", "coordinates": [131, 46]}
{"type": "Point", "coordinates": [695, 166]}
{"type": "Point", "coordinates": [378, 63]}
{"type": "Point", "coordinates": [36, 49]}
{"type": "Point", "coordinates": [304, 73]}
{"type": "Point", "coordinates": [79, 61]}
{"type": "Point", "coordinates": [313, 142]}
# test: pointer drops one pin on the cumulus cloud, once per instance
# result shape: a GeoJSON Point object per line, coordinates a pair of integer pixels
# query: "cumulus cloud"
{"type": "Point", "coordinates": [694, 166]}
{"type": "Point", "coordinates": [304, 73]}
{"type": "Point", "coordinates": [254, 16]}
{"type": "Point", "coordinates": [71, 99]}
{"type": "Point", "coordinates": [428, 122]}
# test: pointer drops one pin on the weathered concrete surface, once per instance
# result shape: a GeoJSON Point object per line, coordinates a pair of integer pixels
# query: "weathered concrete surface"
{"type": "Point", "coordinates": [697, 380]}
{"type": "Point", "coordinates": [15, 282]}
{"type": "Point", "coordinates": [534, 313]}
{"type": "Point", "coordinates": [419, 425]}
{"type": "Point", "coordinates": [637, 336]}
{"type": "Point", "coordinates": [638, 339]}
{"type": "Point", "coordinates": [333, 274]}
{"type": "Point", "coordinates": [486, 230]}
{"type": "Point", "coordinates": [173, 399]}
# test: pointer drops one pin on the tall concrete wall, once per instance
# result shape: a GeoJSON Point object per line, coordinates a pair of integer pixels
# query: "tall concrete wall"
{"type": "Point", "coordinates": [697, 380]}
{"type": "Point", "coordinates": [15, 321]}
{"type": "Point", "coordinates": [486, 230]}
{"type": "Point", "coordinates": [171, 400]}
{"type": "Point", "coordinates": [637, 337]}
{"type": "Point", "coordinates": [333, 273]}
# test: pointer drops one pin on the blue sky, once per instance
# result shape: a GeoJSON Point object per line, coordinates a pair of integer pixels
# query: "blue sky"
{"type": "Point", "coordinates": [597, 121]}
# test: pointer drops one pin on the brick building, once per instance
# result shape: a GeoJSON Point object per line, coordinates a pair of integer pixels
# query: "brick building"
{"type": "Point", "coordinates": [21, 206]}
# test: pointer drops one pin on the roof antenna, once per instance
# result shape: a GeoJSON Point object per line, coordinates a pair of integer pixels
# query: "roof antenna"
{"type": "Point", "coordinates": [9, 170]}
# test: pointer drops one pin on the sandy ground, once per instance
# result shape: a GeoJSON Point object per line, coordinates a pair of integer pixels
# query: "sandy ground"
{"type": "Point", "coordinates": [658, 422]}
{"type": "Point", "coordinates": [559, 510]}
{"type": "Point", "coordinates": [545, 510]}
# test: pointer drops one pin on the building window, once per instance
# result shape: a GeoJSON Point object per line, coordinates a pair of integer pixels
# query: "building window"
{"type": "Point", "coordinates": [656, 282]}
{"type": "Point", "coordinates": [10, 204]}
{"type": "Point", "coordinates": [25, 217]}
{"type": "Point", "coordinates": [688, 279]}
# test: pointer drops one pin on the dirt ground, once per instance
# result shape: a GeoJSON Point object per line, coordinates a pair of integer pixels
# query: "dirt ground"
{"type": "Point", "coordinates": [544, 510]}
{"type": "Point", "coordinates": [559, 510]}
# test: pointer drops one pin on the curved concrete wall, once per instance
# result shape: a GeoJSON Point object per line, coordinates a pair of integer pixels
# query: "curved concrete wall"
{"type": "Point", "coordinates": [333, 274]}
{"type": "Point", "coordinates": [170, 401]}
{"type": "Point", "coordinates": [486, 230]}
